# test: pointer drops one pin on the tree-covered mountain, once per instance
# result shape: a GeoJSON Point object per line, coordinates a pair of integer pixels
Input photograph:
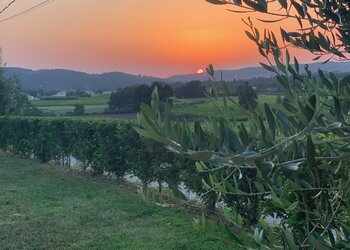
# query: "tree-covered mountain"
{"type": "Point", "coordinates": [59, 79]}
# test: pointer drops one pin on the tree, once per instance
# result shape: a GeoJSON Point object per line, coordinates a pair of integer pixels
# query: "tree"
{"type": "Point", "coordinates": [165, 91]}
{"type": "Point", "coordinates": [142, 94]}
{"type": "Point", "coordinates": [299, 152]}
{"type": "Point", "coordinates": [122, 100]}
{"type": "Point", "coordinates": [12, 100]}
{"type": "Point", "coordinates": [247, 97]}
{"type": "Point", "coordinates": [193, 89]}
{"type": "Point", "coordinates": [130, 99]}
{"type": "Point", "coordinates": [79, 109]}
{"type": "Point", "coordinates": [324, 26]}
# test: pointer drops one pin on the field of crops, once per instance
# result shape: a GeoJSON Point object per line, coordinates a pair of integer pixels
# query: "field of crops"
{"type": "Point", "coordinates": [62, 106]}
{"type": "Point", "coordinates": [198, 107]}
{"type": "Point", "coordinates": [203, 107]}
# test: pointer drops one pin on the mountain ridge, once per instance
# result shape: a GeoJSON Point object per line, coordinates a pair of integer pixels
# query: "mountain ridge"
{"type": "Point", "coordinates": [62, 79]}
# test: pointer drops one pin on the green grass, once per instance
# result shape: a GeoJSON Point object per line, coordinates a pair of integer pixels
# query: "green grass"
{"type": "Point", "coordinates": [182, 107]}
{"type": "Point", "coordinates": [96, 104]}
{"type": "Point", "coordinates": [42, 207]}
{"type": "Point", "coordinates": [203, 107]}
{"type": "Point", "coordinates": [63, 109]}
{"type": "Point", "coordinates": [98, 100]}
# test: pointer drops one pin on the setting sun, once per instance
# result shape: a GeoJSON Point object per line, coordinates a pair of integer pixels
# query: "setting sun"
{"type": "Point", "coordinates": [200, 71]}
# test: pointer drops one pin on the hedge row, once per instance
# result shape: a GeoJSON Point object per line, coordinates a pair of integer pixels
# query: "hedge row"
{"type": "Point", "coordinates": [103, 145]}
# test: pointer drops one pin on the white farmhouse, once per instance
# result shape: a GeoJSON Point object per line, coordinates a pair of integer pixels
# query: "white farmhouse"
{"type": "Point", "coordinates": [31, 98]}
{"type": "Point", "coordinates": [62, 93]}
{"type": "Point", "coordinates": [90, 92]}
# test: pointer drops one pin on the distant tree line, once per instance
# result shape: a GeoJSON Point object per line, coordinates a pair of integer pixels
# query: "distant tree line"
{"type": "Point", "coordinates": [193, 89]}
{"type": "Point", "coordinates": [78, 93]}
{"type": "Point", "coordinates": [129, 99]}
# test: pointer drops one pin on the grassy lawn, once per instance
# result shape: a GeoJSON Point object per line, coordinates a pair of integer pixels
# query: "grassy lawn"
{"type": "Point", "coordinates": [42, 207]}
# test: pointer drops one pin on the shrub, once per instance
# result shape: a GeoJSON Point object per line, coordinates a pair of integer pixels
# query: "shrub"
{"type": "Point", "coordinates": [103, 145]}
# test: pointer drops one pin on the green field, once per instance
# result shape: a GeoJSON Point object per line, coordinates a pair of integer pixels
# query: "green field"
{"type": "Point", "coordinates": [203, 107]}
{"type": "Point", "coordinates": [98, 100]}
{"type": "Point", "coordinates": [45, 207]}
{"type": "Point", "coordinates": [63, 109]}
{"type": "Point", "coordinates": [182, 107]}
{"type": "Point", "coordinates": [96, 104]}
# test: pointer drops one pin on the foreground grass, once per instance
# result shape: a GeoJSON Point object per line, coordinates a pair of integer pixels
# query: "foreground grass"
{"type": "Point", "coordinates": [42, 207]}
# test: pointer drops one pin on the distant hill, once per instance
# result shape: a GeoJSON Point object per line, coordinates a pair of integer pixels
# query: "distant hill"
{"type": "Point", "coordinates": [258, 72]}
{"type": "Point", "coordinates": [227, 75]}
{"type": "Point", "coordinates": [59, 79]}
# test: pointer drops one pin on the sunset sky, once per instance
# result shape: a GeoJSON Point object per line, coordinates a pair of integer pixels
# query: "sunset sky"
{"type": "Point", "coordinates": [154, 37]}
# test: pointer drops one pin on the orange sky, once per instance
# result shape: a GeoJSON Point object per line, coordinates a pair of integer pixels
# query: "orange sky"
{"type": "Point", "coordinates": [153, 37]}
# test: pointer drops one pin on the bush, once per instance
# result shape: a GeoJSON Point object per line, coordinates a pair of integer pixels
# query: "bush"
{"type": "Point", "coordinates": [79, 109]}
{"type": "Point", "coordinates": [103, 145]}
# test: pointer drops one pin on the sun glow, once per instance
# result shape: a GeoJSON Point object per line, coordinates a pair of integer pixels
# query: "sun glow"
{"type": "Point", "coordinates": [200, 71]}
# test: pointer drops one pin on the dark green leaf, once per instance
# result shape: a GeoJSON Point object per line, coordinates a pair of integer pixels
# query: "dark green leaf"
{"type": "Point", "coordinates": [289, 241]}
{"type": "Point", "coordinates": [290, 107]}
{"type": "Point", "coordinates": [296, 65]}
{"type": "Point", "coordinates": [293, 206]}
{"type": "Point", "coordinates": [218, 2]}
{"type": "Point", "coordinates": [250, 36]}
{"type": "Point", "coordinates": [325, 81]}
{"type": "Point", "coordinates": [261, 7]}
{"type": "Point", "coordinates": [283, 3]}
{"type": "Point", "coordinates": [310, 108]}
{"type": "Point", "coordinates": [338, 110]}
{"type": "Point", "coordinates": [318, 244]}
{"type": "Point", "coordinates": [267, 67]}
{"type": "Point", "coordinates": [271, 120]}
{"type": "Point", "coordinates": [311, 153]}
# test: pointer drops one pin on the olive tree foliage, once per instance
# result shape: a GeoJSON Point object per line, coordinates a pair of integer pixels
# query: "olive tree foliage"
{"type": "Point", "coordinates": [324, 25]}
{"type": "Point", "coordinates": [247, 96]}
{"type": "Point", "coordinates": [298, 155]}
